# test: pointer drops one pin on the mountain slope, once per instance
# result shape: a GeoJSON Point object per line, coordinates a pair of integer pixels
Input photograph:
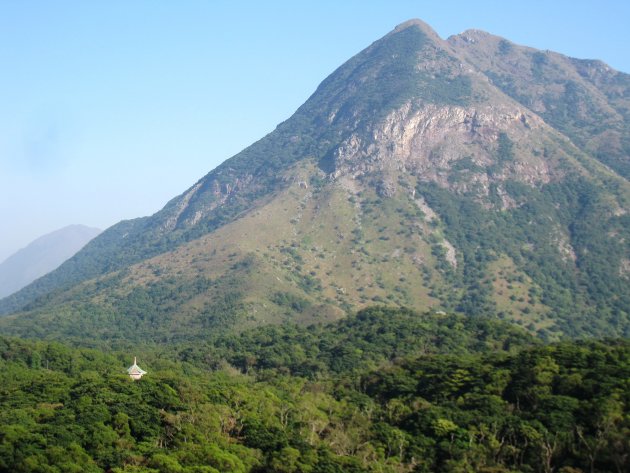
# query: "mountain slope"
{"type": "Point", "coordinates": [233, 186]}
{"type": "Point", "coordinates": [42, 256]}
{"type": "Point", "coordinates": [584, 99]}
{"type": "Point", "coordinates": [410, 177]}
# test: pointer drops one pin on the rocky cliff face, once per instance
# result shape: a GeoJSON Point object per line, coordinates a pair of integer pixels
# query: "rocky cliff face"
{"type": "Point", "coordinates": [429, 143]}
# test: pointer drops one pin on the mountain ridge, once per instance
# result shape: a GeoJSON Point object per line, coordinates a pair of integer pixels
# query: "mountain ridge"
{"type": "Point", "coordinates": [566, 92]}
{"type": "Point", "coordinates": [41, 256]}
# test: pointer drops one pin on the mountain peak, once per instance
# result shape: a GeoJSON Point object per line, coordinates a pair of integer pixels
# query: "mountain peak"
{"type": "Point", "coordinates": [419, 24]}
{"type": "Point", "coordinates": [412, 22]}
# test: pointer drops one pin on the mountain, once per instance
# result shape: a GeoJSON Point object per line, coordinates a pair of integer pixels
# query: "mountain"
{"type": "Point", "coordinates": [468, 175]}
{"type": "Point", "coordinates": [42, 256]}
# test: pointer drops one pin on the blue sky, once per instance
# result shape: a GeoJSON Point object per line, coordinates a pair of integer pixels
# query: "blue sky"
{"type": "Point", "coordinates": [111, 108]}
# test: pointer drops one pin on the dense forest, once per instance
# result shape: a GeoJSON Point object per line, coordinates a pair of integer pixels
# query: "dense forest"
{"type": "Point", "coordinates": [385, 390]}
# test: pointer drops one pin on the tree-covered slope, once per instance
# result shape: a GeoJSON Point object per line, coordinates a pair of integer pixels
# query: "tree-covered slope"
{"type": "Point", "coordinates": [444, 406]}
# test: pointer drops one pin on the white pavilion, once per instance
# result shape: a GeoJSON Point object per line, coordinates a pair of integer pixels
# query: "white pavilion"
{"type": "Point", "coordinates": [135, 372]}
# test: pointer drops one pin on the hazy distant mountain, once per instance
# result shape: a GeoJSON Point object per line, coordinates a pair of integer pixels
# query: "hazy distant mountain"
{"type": "Point", "coordinates": [469, 175]}
{"type": "Point", "coordinates": [42, 256]}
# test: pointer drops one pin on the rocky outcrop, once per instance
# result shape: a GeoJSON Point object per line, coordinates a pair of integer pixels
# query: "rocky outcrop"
{"type": "Point", "coordinates": [430, 142]}
{"type": "Point", "coordinates": [201, 199]}
{"type": "Point", "coordinates": [181, 207]}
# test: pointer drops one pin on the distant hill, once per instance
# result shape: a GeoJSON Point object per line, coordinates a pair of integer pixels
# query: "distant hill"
{"type": "Point", "coordinates": [42, 256]}
{"type": "Point", "coordinates": [466, 175]}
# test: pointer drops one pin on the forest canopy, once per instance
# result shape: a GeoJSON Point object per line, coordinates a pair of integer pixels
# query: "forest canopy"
{"type": "Point", "coordinates": [501, 404]}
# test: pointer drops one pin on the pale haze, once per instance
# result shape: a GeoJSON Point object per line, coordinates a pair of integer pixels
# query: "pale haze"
{"type": "Point", "coordinates": [110, 109]}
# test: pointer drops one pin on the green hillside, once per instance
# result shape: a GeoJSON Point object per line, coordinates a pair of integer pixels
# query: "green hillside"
{"type": "Point", "coordinates": [393, 391]}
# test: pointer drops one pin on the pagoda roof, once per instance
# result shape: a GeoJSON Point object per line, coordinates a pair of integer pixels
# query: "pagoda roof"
{"type": "Point", "coordinates": [135, 369]}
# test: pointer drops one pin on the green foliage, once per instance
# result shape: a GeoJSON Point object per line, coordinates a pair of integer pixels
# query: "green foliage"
{"type": "Point", "coordinates": [508, 412]}
{"type": "Point", "coordinates": [148, 313]}
{"type": "Point", "coordinates": [505, 47]}
{"type": "Point", "coordinates": [466, 164]}
{"type": "Point", "coordinates": [291, 301]}
{"type": "Point", "coordinates": [389, 77]}
{"type": "Point", "coordinates": [505, 150]}
{"type": "Point", "coordinates": [443, 404]}
{"type": "Point", "coordinates": [587, 297]}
